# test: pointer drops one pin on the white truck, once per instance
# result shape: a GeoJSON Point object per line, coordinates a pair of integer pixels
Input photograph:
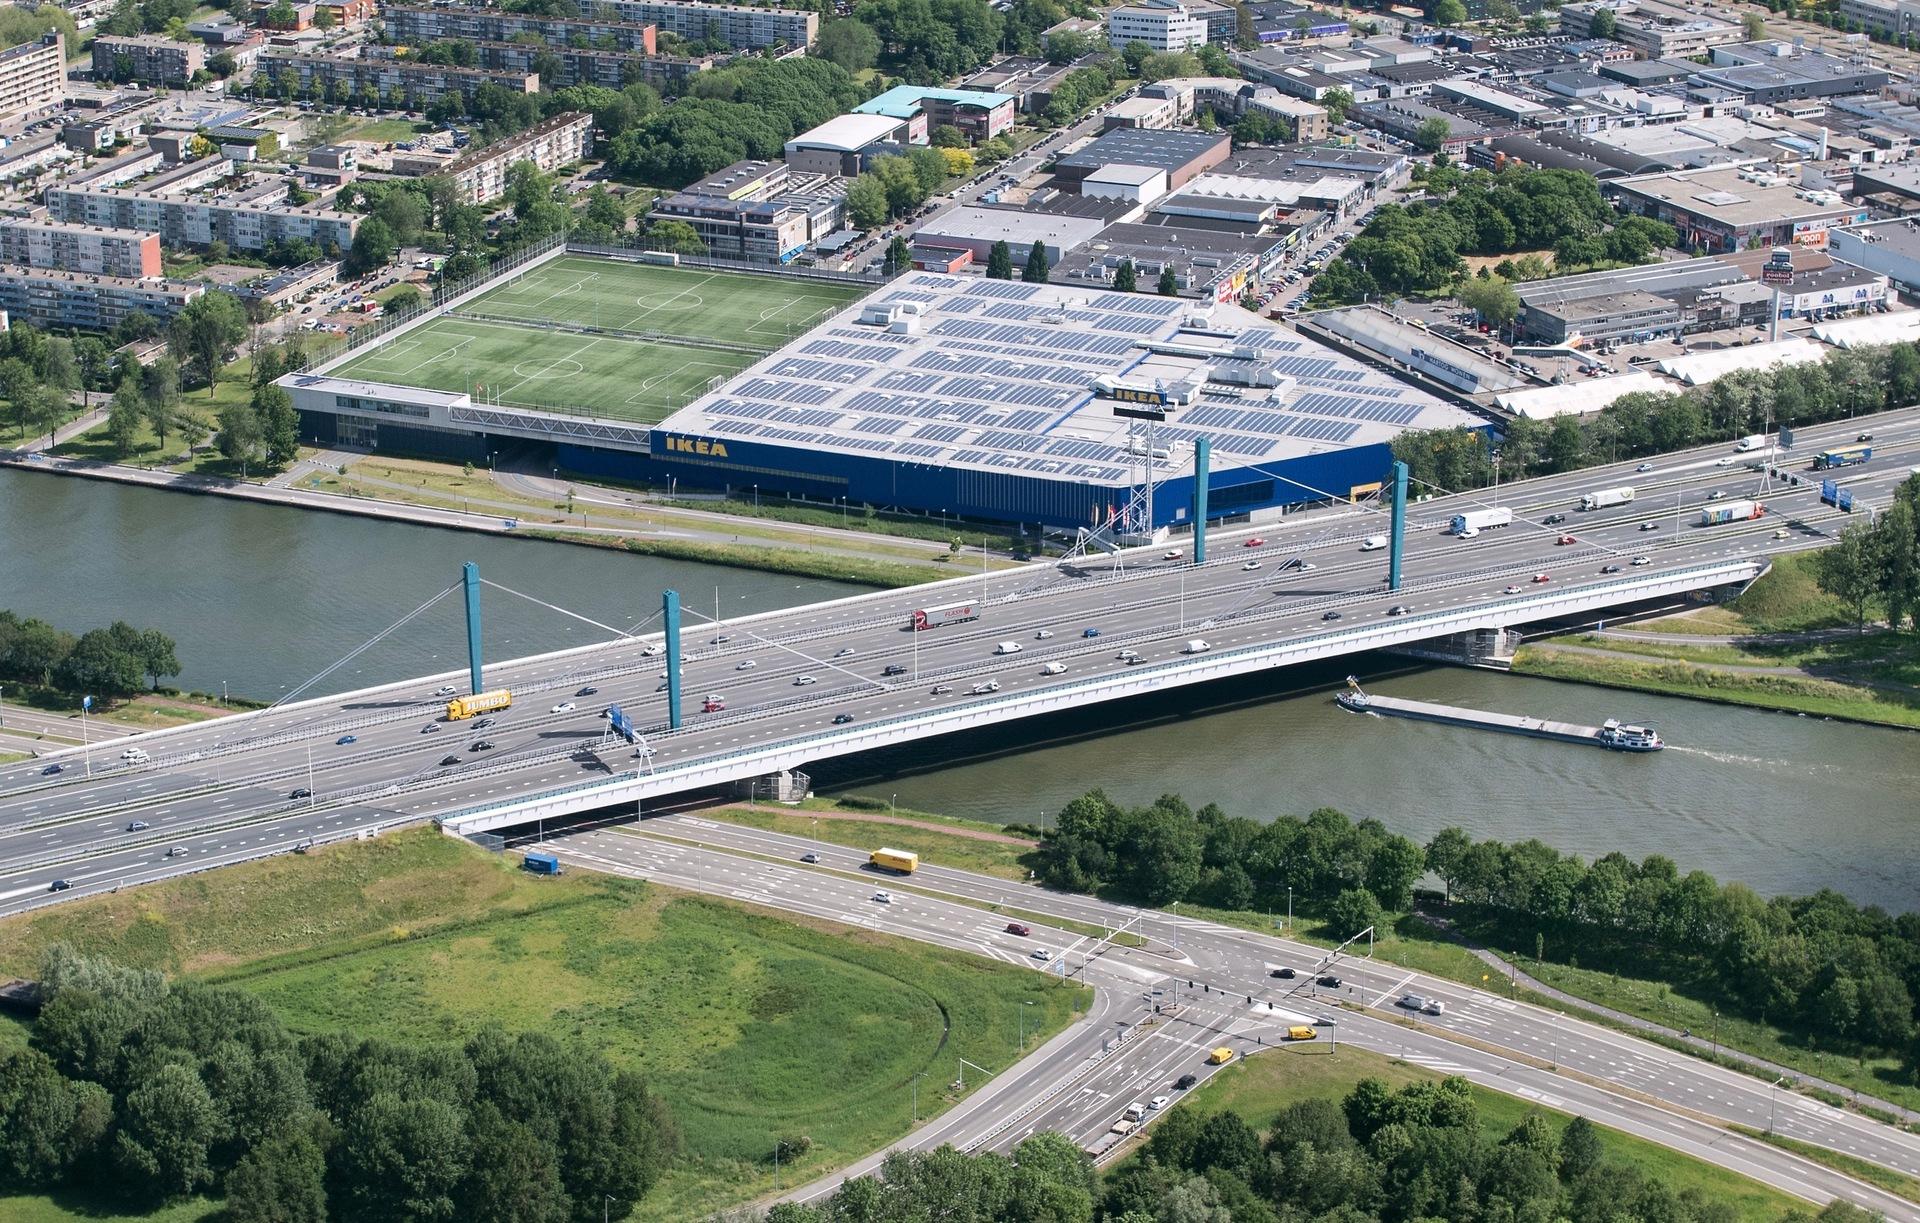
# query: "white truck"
{"type": "Point", "coordinates": [1753, 441]}
{"type": "Point", "coordinates": [1473, 522]}
{"type": "Point", "coordinates": [1373, 543]}
{"type": "Point", "coordinates": [1606, 497]}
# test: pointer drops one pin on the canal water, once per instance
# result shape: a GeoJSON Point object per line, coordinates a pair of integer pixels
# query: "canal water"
{"type": "Point", "coordinates": [263, 598]}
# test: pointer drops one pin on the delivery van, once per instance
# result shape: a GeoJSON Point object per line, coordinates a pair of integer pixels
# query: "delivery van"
{"type": "Point", "coordinates": [1373, 543]}
{"type": "Point", "coordinates": [1007, 647]}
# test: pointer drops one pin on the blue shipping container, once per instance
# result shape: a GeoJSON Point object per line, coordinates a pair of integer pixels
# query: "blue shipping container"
{"type": "Point", "coordinates": [542, 864]}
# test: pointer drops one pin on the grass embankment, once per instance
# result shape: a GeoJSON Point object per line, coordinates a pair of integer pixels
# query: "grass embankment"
{"type": "Point", "coordinates": [1259, 1087]}
{"type": "Point", "coordinates": [1861, 1169]}
{"type": "Point", "coordinates": [754, 1027]}
{"type": "Point", "coordinates": [1866, 678]}
{"type": "Point", "coordinates": [148, 711]}
{"type": "Point", "coordinates": [868, 520]}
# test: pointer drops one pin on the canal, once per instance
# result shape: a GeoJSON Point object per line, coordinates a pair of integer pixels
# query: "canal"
{"type": "Point", "coordinates": [263, 598]}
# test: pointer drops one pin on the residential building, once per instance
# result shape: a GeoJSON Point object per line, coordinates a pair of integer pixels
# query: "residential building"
{"type": "Point", "coordinates": [592, 66]}
{"type": "Point", "coordinates": [397, 83]}
{"type": "Point", "coordinates": [81, 301]}
{"type": "Point", "coordinates": [733, 25]}
{"type": "Point", "coordinates": [251, 224]}
{"type": "Point", "coordinates": [561, 140]}
{"type": "Point", "coordinates": [126, 253]}
{"type": "Point", "coordinates": [33, 77]}
{"type": "Point", "coordinates": [151, 59]}
{"type": "Point", "coordinates": [980, 115]}
{"type": "Point", "coordinates": [765, 211]}
{"type": "Point", "coordinates": [348, 12]}
{"type": "Point", "coordinates": [412, 25]}
{"type": "Point", "coordinates": [1164, 25]}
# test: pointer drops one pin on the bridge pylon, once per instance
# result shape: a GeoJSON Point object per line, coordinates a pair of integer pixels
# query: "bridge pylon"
{"type": "Point", "coordinates": [1399, 525]}
{"type": "Point", "coordinates": [670, 612]}
{"type": "Point", "coordinates": [470, 581]}
{"type": "Point", "coordinates": [1202, 465]}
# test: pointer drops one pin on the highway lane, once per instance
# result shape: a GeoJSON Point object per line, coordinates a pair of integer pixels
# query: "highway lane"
{"type": "Point", "coordinates": [199, 775]}
{"type": "Point", "coordinates": [1072, 1086]}
{"type": "Point", "coordinates": [1239, 963]}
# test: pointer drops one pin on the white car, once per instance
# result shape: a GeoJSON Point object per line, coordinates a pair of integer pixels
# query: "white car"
{"type": "Point", "coordinates": [801, 681]}
{"type": "Point", "coordinates": [1054, 668]}
{"type": "Point", "coordinates": [1510, 590]}
{"type": "Point", "coordinates": [1643, 560]}
{"type": "Point", "coordinates": [1728, 461]}
{"type": "Point", "coordinates": [1159, 1102]}
{"type": "Point", "coordinates": [883, 898]}
{"type": "Point", "coordinates": [652, 649]}
{"type": "Point", "coordinates": [1250, 566]}
{"type": "Point", "coordinates": [746, 665]}
{"type": "Point", "coordinates": [1042, 954]}
{"type": "Point", "coordinates": [445, 690]}
{"type": "Point", "coordinates": [981, 689]}
{"type": "Point", "coordinates": [562, 707]}
{"type": "Point", "coordinates": [846, 653]}
{"type": "Point", "coordinates": [1045, 634]}
{"type": "Point", "coordinates": [136, 755]}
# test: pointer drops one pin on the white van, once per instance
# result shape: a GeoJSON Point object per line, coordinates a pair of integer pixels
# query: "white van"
{"type": "Point", "coordinates": [1054, 668]}
{"type": "Point", "coordinates": [1373, 543]}
{"type": "Point", "coordinates": [1196, 646]}
{"type": "Point", "coordinates": [1007, 647]}
{"type": "Point", "coordinates": [135, 755]}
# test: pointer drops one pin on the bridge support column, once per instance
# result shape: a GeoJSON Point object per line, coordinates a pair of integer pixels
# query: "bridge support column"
{"type": "Point", "coordinates": [670, 612]}
{"type": "Point", "coordinates": [470, 581]}
{"type": "Point", "coordinates": [786, 786]}
{"type": "Point", "coordinates": [1399, 525]}
{"type": "Point", "coordinates": [1202, 465]}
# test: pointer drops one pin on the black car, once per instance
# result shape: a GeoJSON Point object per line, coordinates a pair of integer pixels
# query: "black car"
{"type": "Point", "coordinates": [589, 690]}
{"type": "Point", "coordinates": [894, 668]}
{"type": "Point", "coordinates": [58, 885]}
{"type": "Point", "coordinates": [1332, 615]}
{"type": "Point", "coordinates": [51, 769]}
{"type": "Point", "coordinates": [485, 745]}
{"type": "Point", "coordinates": [302, 792]}
{"type": "Point", "coordinates": [483, 723]}
{"type": "Point", "coordinates": [1864, 437]}
{"type": "Point", "coordinates": [1553, 520]}
{"type": "Point", "coordinates": [1185, 1081]}
{"type": "Point", "coordinates": [445, 761]}
{"type": "Point", "coordinates": [1330, 981]}
{"type": "Point", "coordinates": [841, 719]}
{"type": "Point", "coordinates": [1609, 568]}
{"type": "Point", "coordinates": [1398, 609]}
{"type": "Point", "coordinates": [1285, 974]}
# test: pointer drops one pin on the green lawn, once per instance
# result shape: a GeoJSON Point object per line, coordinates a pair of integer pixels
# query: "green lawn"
{"type": "Point", "coordinates": [381, 131]}
{"type": "Point", "coordinates": [961, 852]}
{"type": "Point", "coordinates": [753, 1026]}
{"type": "Point", "coordinates": [1821, 697]}
{"type": "Point", "coordinates": [1260, 1086]}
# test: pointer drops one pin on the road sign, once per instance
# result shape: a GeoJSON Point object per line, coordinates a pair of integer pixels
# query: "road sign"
{"type": "Point", "coordinates": [1774, 274]}
{"type": "Point", "coordinates": [1829, 491]}
{"type": "Point", "coordinates": [1786, 437]}
{"type": "Point", "coordinates": [1132, 412]}
{"type": "Point", "coordinates": [621, 724]}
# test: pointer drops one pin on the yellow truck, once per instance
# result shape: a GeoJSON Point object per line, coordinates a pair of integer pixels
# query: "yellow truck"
{"type": "Point", "coordinates": [899, 860]}
{"type": "Point", "coordinates": [1220, 1056]}
{"type": "Point", "coordinates": [462, 707]}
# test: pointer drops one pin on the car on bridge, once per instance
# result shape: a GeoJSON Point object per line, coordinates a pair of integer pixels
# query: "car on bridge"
{"type": "Point", "coordinates": [1609, 568]}
{"type": "Point", "coordinates": [1172, 554]}
{"type": "Point", "coordinates": [1332, 615]}
{"type": "Point", "coordinates": [1642, 560]}
{"type": "Point", "coordinates": [562, 707]}
{"type": "Point", "coordinates": [801, 681]}
{"type": "Point", "coordinates": [986, 686]}
{"type": "Point", "coordinates": [1054, 668]}
{"type": "Point", "coordinates": [1250, 566]}
{"type": "Point", "coordinates": [135, 755]}
{"type": "Point", "coordinates": [893, 668]}
{"type": "Point", "coordinates": [343, 740]}
{"type": "Point", "coordinates": [810, 858]}
{"type": "Point", "coordinates": [303, 792]}
{"type": "Point", "coordinates": [652, 649]}
{"type": "Point", "coordinates": [178, 851]}
{"type": "Point", "coordinates": [1255, 542]}
{"type": "Point", "coordinates": [589, 690]}
{"type": "Point", "coordinates": [138, 826]}
{"type": "Point", "coordinates": [430, 728]}
{"type": "Point", "coordinates": [1553, 520]}
{"type": "Point", "coordinates": [483, 723]}
{"type": "Point", "coordinates": [941, 690]}
{"type": "Point", "coordinates": [449, 761]}
{"type": "Point", "coordinates": [1541, 577]}
{"type": "Point", "coordinates": [746, 664]}
{"type": "Point", "coordinates": [1510, 590]}
{"type": "Point", "coordinates": [58, 885]}
{"type": "Point", "coordinates": [1564, 540]}
{"type": "Point", "coordinates": [1045, 634]}
{"type": "Point", "coordinates": [445, 690]}
{"type": "Point", "coordinates": [713, 704]}
{"type": "Point", "coordinates": [1649, 526]}
{"type": "Point", "coordinates": [841, 719]}
{"type": "Point", "coordinates": [485, 745]}
{"type": "Point", "coordinates": [1090, 632]}
{"type": "Point", "coordinates": [52, 769]}
{"type": "Point", "coordinates": [1398, 609]}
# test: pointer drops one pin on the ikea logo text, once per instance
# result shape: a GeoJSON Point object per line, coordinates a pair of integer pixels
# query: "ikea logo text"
{"type": "Point", "coordinates": [697, 445]}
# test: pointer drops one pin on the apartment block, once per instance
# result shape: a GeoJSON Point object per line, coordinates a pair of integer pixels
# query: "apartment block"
{"type": "Point", "coordinates": [126, 253]}
{"type": "Point", "coordinates": [84, 302]}
{"type": "Point", "coordinates": [149, 59]}
{"type": "Point", "coordinates": [734, 25]}
{"type": "Point", "coordinates": [1164, 25]}
{"type": "Point", "coordinates": [589, 66]}
{"type": "Point", "coordinates": [416, 25]}
{"type": "Point", "coordinates": [555, 142]}
{"type": "Point", "coordinates": [249, 224]}
{"type": "Point", "coordinates": [416, 86]}
{"type": "Point", "coordinates": [33, 77]}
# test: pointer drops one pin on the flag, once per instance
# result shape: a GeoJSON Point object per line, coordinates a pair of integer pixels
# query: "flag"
{"type": "Point", "coordinates": [86, 703]}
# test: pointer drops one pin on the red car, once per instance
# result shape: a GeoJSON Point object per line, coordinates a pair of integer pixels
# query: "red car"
{"type": "Point", "coordinates": [1541, 577]}
{"type": "Point", "coordinates": [1564, 540]}
{"type": "Point", "coordinates": [1014, 927]}
{"type": "Point", "coordinates": [1255, 542]}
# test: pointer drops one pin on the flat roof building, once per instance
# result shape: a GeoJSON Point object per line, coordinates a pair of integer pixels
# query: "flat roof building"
{"type": "Point", "coordinates": [1183, 155]}
{"type": "Point", "coordinates": [978, 113]}
{"type": "Point", "coordinates": [1891, 248]}
{"type": "Point", "coordinates": [481, 176]}
{"type": "Point", "coordinates": [416, 86]}
{"type": "Point", "coordinates": [85, 302]}
{"type": "Point", "coordinates": [976, 228]}
{"type": "Point", "coordinates": [411, 25]}
{"type": "Point", "coordinates": [841, 144]}
{"type": "Point", "coordinates": [126, 253]}
{"type": "Point", "coordinates": [763, 211]}
{"type": "Point", "coordinates": [1770, 72]}
{"type": "Point", "coordinates": [252, 223]}
{"type": "Point", "coordinates": [148, 58]}
{"type": "Point", "coordinates": [1164, 25]}
{"type": "Point", "coordinates": [1725, 208]}
{"type": "Point", "coordinates": [33, 77]}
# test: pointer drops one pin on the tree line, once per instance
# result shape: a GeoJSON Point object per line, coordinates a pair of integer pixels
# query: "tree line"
{"type": "Point", "coordinates": [747, 111]}
{"type": "Point", "coordinates": [1878, 563]}
{"type": "Point", "coordinates": [106, 662]}
{"type": "Point", "coordinates": [1419, 1154]}
{"type": "Point", "coordinates": [162, 1089]}
{"type": "Point", "coordinates": [1821, 967]}
{"type": "Point", "coordinates": [1849, 381]}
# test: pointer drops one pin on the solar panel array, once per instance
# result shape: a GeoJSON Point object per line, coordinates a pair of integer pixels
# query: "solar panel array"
{"type": "Point", "coordinates": [1016, 363]}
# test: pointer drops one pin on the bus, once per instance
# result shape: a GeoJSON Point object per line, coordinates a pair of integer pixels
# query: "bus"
{"type": "Point", "coordinates": [462, 707]}
{"type": "Point", "coordinates": [952, 613]}
{"type": "Point", "coordinates": [1845, 456]}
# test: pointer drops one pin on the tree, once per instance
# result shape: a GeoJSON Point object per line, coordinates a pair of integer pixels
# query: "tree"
{"type": "Point", "coordinates": [1755, 26]}
{"type": "Point", "coordinates": [849, 43]}
{"type": "Point", "coordinates": [47, 1123]}
{"type": "Point", "coordinates": [1432, 133]}
{"type": "Point", "coordinates": [282, 1180]}
{"type": "Point", "coordinates": [374, 246]}
{"type": "Point", "coordinates": [866, 202]}
{"type": "Point", "coordinates": [1850, 570]}
{"type": "Point", "coordinates": [1000, 261]}
{"type": "Point", "coordinates": [1446, 855]}
{"type": "Point", "coordinates": [160, 397]}
{"type": "Point", "coordinates": [676, 236]}
{"type": "Point", "coordinates": [947, 136]}
{"type": "Point", "coordinates": [899, 258]}
{"type": "Point", "coordinates": [123, 420]}
{"type": "Point", "coordinates": [1580, 1149]}
{"type": "Point", "coordinates": [401, 1158]}
{"type": "Point", "coordinates": [155, 652]}
{"type": "Point", "coordinates": [1449, 12]}
{"type": "Point", "coordinates": [1353, 910]}
{"type": "Point", "coordinates": [202, 334]}
{"type": "Point", "coordinates": [1035, 272]}
{"type": "Point", "coordinates": [1169, 285]}
{"type": "Point", "coordinates": [167, 1128]}
{"type": "Point", "coordinates": [1337, 102]}
{"type": "Point", "coordinates": [93, 359]}
{"type": "Point", "coordinates": [1493, 299]}
{"type": "Point", "coordinates": [1601, 24]}
{"type": "Point", "coordinates": [241, 438]}
{"type": "Point", "coordinates": [1124, 277]}
{"type": "Point", "coordinates": [278, 423]}
{"type": "Point", "coordinates": [405, 300]}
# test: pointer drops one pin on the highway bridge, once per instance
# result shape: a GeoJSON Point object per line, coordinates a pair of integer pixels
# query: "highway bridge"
{"type": "Point", "coordinates": [813, 682]}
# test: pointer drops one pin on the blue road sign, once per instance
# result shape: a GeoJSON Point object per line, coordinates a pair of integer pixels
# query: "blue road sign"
{"type": "Point", "coordinates": [621, 724]}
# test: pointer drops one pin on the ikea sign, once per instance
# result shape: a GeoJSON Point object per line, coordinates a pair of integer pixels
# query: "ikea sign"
{"type": "Point", "coordinates": [696, 445]}
{"type": "Point", "coordinates": [1134, 394]}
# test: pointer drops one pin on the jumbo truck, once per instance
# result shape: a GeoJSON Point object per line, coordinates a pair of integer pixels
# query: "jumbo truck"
{"type": "Point", "coordinates": [1606, 498]}
{"type": "Point", "coordinates": [901, 860]}
{"type": "Point", "coordinates": [1473, 522]}
{"type": "Point", "coordinates": [951, 613]}
{"type": "Point", "coordinates": [1730, 511]}
{"type": "Point", "coordinates": [461, 707]}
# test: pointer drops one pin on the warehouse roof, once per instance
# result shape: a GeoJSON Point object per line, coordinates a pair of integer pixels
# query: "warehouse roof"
{"type": "Point", "coordinates": [848, 133]}
{"type": "Point", "coordinates": [1699, 368]}
{"type": "Point", "coordinates": [905, 101]}
{"type": "Point", "coordinates": [1578, 398]}
{"type": "Point", "coordinates": [1005, 376]}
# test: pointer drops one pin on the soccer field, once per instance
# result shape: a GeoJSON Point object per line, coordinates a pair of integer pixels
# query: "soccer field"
{"type": "Point", "coordinates": [516, 343]}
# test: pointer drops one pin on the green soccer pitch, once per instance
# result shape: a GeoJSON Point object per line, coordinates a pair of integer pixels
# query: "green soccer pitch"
{"type": "Point", "coordinates": [516, 344]}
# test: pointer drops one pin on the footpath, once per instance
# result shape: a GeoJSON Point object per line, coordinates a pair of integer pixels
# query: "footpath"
{"type": "Point", "coordinates": [1670, 1036]}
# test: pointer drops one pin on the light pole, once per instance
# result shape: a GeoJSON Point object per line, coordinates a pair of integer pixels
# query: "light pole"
{"type": "Point", "coordinates": [1289, 909]}
{"type": "Point", "coordinates": [1023, 1024]}
{"type": "Point", "coordinates": [1773, 1099]}
{"type": "Point", "coordinates": [1496, 479]}
{"type": "Point", "coordinates": [310, 798]}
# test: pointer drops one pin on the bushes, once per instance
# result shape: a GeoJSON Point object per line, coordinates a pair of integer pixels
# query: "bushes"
{"type": "Point", "coordinates": [101, 662]}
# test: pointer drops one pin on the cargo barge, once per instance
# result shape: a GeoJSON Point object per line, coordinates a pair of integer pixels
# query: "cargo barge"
{"type": "Point", "coordinates": [1614, 735]}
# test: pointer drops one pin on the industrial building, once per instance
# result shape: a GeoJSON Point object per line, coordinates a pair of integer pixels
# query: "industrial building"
{"type": "Point", "coordinates": [1766, 73]}
{"type": "Point", "coordinates": [764, 211]}
{"type": "Point", "coordinates": [1183, 155]}
{"type": "Point", "coordinates": [126, 253]}
{"type": "Point", "coordinates": [481, 176]}
{"type": "Point", "coordinates": [33, 77]}
{"type": "Point", "coordinates": [1656, 30]}
{"type": "Point", "coordinates": [975, 228]}
{"type": "Point", "coordinates": [979, 114]}
{"type": "Point", "coordinates": [1891, 248]}
{"type": "Point", "coordinates": [842, 144]}
{"type": "Point", "coordinates": [80, 301]}
{"type": "Point", "coordinates": [1727, 208]}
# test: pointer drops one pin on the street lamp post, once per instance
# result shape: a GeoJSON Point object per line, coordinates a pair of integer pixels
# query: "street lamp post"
{"type": "Point", "coordinates": [1289, 909]}
{"type": "Point", "coordinates": [1023, 1024]}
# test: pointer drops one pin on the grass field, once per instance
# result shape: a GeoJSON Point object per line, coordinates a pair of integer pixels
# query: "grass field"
{"type": "Point", "coordinates": [1259, 1087]}
{"type": "Point", "coordinates": [515, 345]}
{"type": "Point", "coordinates": [752, 1026]}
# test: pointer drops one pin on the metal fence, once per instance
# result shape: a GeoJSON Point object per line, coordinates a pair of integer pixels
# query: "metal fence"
{"type": "Point", "coordinates": [639, 247]}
